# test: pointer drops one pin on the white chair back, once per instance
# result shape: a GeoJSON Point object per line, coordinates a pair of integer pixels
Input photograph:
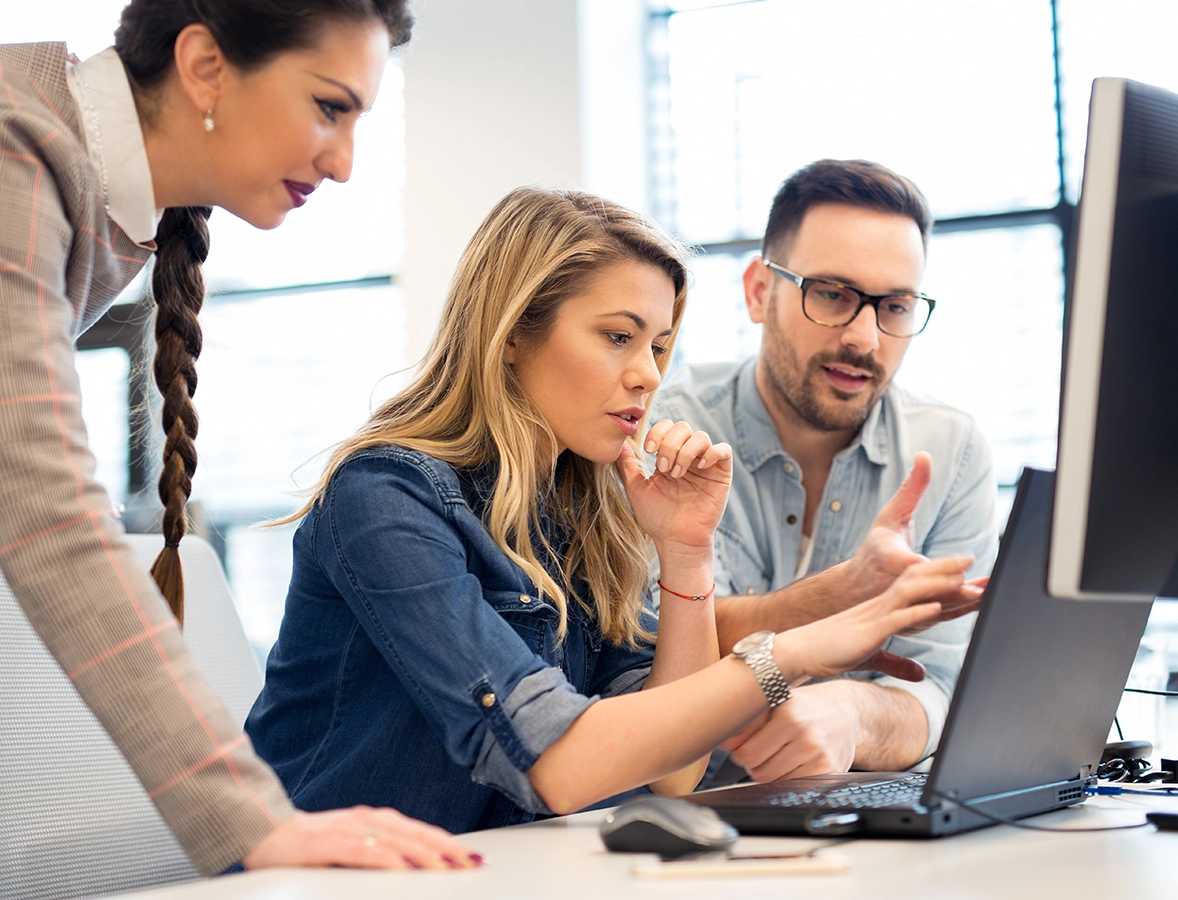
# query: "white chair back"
{"type": "Point", "coordinates": [74, 820]}
{"type": "Point", "coordinates": [212, 629]}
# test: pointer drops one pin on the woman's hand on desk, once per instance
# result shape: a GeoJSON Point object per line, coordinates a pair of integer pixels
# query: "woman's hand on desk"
{"type": "Point", "coordinates": [360, 838]}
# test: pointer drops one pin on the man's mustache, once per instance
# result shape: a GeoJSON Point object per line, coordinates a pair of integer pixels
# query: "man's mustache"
{"type": "Point", "coordinates": [866, 363]}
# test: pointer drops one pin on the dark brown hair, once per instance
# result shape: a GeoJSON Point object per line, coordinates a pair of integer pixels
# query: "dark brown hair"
{"type": "Point", "coordinates": [853, 182]}
{"type": "Point", "coordinates": [250, 33]}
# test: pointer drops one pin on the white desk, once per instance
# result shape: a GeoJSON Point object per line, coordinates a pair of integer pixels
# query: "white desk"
{"type": "Point", "coordinates": [563, 859]}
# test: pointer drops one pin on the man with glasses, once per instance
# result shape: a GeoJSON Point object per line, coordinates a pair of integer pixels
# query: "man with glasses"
{"type": "Point", "coordinates": [821, 516]}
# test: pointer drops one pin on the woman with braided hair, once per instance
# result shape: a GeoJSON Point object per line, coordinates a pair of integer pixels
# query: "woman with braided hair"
{"type": "Point", "coordinates": [243, 104]}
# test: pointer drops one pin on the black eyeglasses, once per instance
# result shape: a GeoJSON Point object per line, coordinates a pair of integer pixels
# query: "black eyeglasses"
{"type": "Point", "coordinates": [835, 305]}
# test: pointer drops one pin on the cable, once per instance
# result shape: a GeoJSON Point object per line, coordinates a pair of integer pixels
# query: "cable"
{"type": "Point", "coordinates": [1129, 690]}
{"type": "Point", "coordinates": [1115, 790]}
{"type": "Point", "coordinates": [1002, 820]}
{"type": "Point", "coordinates": [1121, 769]}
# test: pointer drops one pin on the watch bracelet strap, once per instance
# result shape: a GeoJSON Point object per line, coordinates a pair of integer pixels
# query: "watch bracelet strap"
{"type": "Point", "coordinates": [769, 677]}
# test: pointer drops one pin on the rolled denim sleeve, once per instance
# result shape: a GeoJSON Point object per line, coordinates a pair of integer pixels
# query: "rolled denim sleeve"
{"type": "Point", "coordinates": [966, 524]}
{"type": "Point", "coordinates": [532, 718]}
{"type": "Point", "coordinates": [393, 539]}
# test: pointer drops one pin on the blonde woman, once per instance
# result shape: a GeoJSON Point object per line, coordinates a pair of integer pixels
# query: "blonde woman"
{"type": "Point", "coordinates": [465, 636]}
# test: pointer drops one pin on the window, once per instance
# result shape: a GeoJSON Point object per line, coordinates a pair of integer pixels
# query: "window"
{"type": "Point", "coordinates": [1136, 42]}
{"type": "Point", "coordinates": [759, 89]}
{"type": "Point", "coordinates": [983, 104]}
{"type": "Point", "coordinates": [959, 97]}
{"type": "Point", "coordinates": [104, 375]}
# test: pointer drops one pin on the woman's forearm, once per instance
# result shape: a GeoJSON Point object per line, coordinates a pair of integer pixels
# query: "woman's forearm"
{"type": "Point", "coordinates": [625, 742]}
{"type": "Point", "coordinates": [687, 643]}
{"type": "Point", "coordinates": [687, 639]}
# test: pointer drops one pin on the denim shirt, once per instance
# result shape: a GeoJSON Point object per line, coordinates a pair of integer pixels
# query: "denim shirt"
{"type": "Point", "coordinates": [758, 541]}
{"type": "Point", "coordinates": [416, 666]}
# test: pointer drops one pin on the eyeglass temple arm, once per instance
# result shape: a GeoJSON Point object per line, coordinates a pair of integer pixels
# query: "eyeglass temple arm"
{"type": "Point", "coordinates": [784, 272]}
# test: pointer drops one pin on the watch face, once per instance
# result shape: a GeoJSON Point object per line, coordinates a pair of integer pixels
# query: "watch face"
{"type": "Point", "coordinates": [755, 641]}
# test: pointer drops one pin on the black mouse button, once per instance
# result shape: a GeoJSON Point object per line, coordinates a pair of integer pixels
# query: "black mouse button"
{"type": "Point", "coordinates": [666, 826]}
{"type": "Point", "coordinates": [646, 837]}
{"type": "Point", "coordinates": [1165, 821]}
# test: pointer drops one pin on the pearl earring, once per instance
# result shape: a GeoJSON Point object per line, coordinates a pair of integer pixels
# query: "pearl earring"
{"type": "Point", "coordinates": [207, 121]}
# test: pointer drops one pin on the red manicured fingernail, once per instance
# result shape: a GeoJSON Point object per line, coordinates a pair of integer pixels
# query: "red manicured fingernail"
{"type": "Point", "coordinates": [452, 863]}
{"type": "Point", "coordinates": [411, 864]}
{"type": "Point", "coordinates": [477, 859]}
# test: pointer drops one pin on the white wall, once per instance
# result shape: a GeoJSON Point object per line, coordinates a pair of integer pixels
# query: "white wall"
{"type": "Point", "coordinates": [501, 93]}
{"type": "Point", "coordinates": [491, 103]}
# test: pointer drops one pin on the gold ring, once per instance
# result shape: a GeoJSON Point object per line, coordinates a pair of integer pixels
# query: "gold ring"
{"type": "Point", "coordinates": [371, 838]}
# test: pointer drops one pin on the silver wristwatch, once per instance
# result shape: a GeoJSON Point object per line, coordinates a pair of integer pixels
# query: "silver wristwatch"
{"type": "Point", "coordinates": [757, 651]}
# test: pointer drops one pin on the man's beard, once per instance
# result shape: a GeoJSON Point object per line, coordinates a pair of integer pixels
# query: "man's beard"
{"type": "Point", "coordinates": [799, 389]}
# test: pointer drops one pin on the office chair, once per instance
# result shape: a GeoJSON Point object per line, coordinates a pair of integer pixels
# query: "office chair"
{"type": "Point", "coordinates": [74, 820]}
{"type": "Point", "coordinates": [212, 629]}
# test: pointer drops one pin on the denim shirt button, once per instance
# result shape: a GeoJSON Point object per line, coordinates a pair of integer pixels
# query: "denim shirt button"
{"type": "Point", "coordinates": [488, 700]}
{"type": "Point", "coordinates": [524, 598]}
{"type": "Point", "coordinates": [791, 519]}
{"type": "Point", "coordinates": [789, 467]}
{"type": "Point", "coordinates": [836, 505]}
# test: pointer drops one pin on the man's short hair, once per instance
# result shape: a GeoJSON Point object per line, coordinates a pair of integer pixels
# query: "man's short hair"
{"type": "Point", "coordinates": [853, 182]}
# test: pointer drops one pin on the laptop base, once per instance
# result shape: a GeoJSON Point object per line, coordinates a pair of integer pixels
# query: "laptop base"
{"type": "Point", "coordinates": [751, 808]}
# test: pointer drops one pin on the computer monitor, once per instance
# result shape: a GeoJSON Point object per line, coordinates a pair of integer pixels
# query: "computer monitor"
{"type": "Point", "coordinates": [1115, 516]}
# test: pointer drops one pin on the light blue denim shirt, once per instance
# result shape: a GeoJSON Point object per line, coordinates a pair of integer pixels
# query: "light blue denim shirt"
{"type": "Point", "coordinates": [757, 543]}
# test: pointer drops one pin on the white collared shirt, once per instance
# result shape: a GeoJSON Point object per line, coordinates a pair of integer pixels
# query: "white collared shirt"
{"type": "Point", "coordinates": [114, 141]}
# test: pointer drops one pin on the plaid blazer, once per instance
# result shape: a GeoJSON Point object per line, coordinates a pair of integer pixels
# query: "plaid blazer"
{"type": "Point", "coordinates": [62, 263]}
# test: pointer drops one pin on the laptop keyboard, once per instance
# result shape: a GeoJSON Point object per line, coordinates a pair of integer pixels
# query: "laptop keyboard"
{"type": "Point", "coordinates": [857, 794]}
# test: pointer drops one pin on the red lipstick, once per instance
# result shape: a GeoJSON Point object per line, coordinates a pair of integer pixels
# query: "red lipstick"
{"type": "Point", "coordinates": [298, 191]}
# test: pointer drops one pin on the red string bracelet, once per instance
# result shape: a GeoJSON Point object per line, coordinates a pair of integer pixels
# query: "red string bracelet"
{"type": "Point", "coordinates": [698, 598]}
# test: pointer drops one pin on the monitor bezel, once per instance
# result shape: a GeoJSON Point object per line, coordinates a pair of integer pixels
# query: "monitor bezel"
{"type": "Point", "coordinates": [1084, 346]}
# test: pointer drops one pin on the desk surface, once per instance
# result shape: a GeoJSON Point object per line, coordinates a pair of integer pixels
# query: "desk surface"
{"type": "Point", "coordinates": [565, 858]}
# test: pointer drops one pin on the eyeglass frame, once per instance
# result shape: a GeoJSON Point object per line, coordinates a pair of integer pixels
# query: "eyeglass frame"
{"type": "Point", "coordinates": [865, 299]}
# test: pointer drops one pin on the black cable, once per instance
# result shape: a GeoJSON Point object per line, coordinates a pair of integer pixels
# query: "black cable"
{"type": "Point", "coordinates": [1130, 771]}
{"type": "Point", "coordinates": [1002, 820]}
{"type": "Point", "coordinates": [1129, 690]}
{"type": "Point", "coordinates": [1120, 734]}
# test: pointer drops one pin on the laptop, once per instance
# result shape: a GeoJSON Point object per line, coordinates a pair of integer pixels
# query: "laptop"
{"type": "Point", "coordinates": [1030, 715]}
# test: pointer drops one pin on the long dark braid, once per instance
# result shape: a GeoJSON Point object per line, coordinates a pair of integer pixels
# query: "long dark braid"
{"type": "Point", "coordinates": [250, 33]}
{"type": "Point", "coordinates": [178, 287]}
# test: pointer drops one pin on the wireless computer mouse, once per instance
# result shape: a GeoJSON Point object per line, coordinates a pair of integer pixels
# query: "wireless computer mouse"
{"type": "Point", "coordinates": [666, 826]}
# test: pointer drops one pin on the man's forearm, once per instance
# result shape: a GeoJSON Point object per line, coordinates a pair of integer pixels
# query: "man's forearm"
{"type": "Point", "coordinates": [800, 603]}
{"type": "Point", "coordinates": [893, 727]}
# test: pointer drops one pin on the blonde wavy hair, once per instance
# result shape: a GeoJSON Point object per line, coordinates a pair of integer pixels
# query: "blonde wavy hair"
{"type": "Point", "coordinates": [534, 250]}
